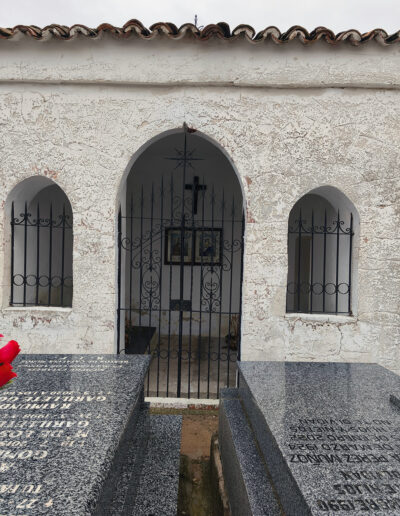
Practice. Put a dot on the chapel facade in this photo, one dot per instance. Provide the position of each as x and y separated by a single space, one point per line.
205 196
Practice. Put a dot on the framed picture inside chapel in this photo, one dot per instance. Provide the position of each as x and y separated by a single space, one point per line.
208 246
173 246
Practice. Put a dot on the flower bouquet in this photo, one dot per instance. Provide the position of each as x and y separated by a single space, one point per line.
7 355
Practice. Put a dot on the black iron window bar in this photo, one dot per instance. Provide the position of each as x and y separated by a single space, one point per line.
309 287
38 288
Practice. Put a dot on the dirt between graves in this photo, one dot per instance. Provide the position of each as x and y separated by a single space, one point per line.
198 490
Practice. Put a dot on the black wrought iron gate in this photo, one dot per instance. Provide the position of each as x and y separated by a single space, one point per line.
180 267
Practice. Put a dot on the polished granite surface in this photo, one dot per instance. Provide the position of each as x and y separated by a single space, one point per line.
328 431
60 425
245 477
159 481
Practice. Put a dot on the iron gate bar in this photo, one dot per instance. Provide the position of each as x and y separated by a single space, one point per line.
230 293
119 235
50 250
161 276
151 278
312 258
62 255
337 261
299 260
220 289
350 258
200 301
191 295
211 288
181 265
130 267
12 253
141 257
239 347
324 277
25 246
170 289
241 243
37 252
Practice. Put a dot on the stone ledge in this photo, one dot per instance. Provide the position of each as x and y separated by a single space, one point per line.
329 318
37 309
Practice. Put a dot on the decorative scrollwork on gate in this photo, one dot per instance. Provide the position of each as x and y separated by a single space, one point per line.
211 288
211 277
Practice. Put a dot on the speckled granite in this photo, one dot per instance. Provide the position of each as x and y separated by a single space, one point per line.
61 424
246 479
121 485
329 434
395 400
228 394
158 489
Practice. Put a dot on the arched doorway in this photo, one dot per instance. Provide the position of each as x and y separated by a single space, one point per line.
180 242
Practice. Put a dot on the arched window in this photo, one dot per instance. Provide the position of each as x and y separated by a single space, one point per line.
40 242
322 226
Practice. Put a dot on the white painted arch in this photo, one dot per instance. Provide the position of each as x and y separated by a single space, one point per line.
164 134
130 169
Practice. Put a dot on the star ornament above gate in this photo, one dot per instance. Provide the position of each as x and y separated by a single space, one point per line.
184 158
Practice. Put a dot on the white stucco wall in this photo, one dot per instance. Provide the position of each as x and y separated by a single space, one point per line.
291 118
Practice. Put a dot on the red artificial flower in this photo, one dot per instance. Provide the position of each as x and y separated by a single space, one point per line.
7 355
9 352
6 374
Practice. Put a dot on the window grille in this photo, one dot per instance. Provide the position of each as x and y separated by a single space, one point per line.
41 256
320 265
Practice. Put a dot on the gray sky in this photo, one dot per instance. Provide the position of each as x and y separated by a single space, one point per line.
337 15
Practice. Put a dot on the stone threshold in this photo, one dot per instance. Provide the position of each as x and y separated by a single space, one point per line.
182 403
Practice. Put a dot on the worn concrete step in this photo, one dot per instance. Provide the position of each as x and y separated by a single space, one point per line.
245 473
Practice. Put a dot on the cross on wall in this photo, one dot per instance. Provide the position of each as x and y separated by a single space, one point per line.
195 187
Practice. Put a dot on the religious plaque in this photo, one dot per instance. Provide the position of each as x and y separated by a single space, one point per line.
208 246
174 254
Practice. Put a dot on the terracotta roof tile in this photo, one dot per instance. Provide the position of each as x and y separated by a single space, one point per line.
219 30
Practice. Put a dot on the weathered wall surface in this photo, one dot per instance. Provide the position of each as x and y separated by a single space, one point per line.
283 142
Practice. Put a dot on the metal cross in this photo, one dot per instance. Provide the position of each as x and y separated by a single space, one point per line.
195 187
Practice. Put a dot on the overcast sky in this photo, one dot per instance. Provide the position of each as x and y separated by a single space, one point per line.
337 15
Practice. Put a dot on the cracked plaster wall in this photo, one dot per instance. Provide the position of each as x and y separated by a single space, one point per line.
283 142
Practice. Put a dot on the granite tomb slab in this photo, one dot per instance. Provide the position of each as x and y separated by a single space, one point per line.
327 434
62 422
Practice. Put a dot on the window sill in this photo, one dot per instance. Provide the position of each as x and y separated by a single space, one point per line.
329 318
38 309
